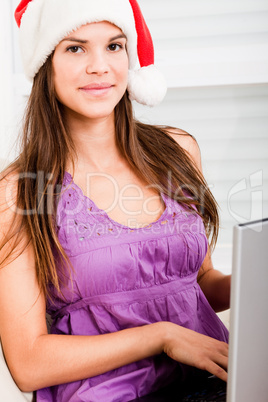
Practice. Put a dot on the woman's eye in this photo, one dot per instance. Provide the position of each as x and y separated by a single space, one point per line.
115 47
74 49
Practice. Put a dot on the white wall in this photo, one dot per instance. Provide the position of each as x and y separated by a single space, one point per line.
214 55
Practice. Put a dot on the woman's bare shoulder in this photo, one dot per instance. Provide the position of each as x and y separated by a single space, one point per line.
187 142
8 194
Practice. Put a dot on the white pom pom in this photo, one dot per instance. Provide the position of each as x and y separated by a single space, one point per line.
147 85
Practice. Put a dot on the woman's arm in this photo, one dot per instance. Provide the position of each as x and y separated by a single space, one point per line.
215 285
37 359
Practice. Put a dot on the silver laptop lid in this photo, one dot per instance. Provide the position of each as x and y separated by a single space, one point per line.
248 350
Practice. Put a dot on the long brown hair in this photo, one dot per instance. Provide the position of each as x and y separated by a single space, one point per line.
45 146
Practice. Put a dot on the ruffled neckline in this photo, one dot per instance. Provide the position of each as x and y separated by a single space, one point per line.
68 180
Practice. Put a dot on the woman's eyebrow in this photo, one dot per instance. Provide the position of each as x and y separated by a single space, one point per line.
72 39
122 35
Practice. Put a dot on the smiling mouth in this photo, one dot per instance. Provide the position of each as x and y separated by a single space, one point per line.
97 90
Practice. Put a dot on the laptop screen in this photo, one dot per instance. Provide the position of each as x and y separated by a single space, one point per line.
248 351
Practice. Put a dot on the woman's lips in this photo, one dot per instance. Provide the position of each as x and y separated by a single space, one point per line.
97 89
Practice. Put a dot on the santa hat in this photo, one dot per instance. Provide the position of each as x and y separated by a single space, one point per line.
44 23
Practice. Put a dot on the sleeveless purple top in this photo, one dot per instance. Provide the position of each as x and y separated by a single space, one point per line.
126 278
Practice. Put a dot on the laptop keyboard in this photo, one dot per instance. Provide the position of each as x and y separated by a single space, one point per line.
199 388
212 389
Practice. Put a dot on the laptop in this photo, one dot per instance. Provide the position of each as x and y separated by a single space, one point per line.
248 343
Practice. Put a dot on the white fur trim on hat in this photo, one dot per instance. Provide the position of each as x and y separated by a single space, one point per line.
46 22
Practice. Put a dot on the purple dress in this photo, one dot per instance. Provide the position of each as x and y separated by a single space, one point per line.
126 278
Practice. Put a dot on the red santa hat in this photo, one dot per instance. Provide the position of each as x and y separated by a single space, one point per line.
44 23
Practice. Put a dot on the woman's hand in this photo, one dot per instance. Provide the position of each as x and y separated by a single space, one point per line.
197 350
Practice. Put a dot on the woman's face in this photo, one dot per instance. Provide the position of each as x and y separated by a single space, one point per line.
90 70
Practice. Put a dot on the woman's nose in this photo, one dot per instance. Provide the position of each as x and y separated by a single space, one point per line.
97 63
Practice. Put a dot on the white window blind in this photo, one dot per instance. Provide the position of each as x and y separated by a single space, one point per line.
208 42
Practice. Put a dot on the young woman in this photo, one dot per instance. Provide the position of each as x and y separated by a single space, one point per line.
104 220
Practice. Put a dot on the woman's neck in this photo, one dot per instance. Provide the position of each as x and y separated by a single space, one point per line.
95 144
